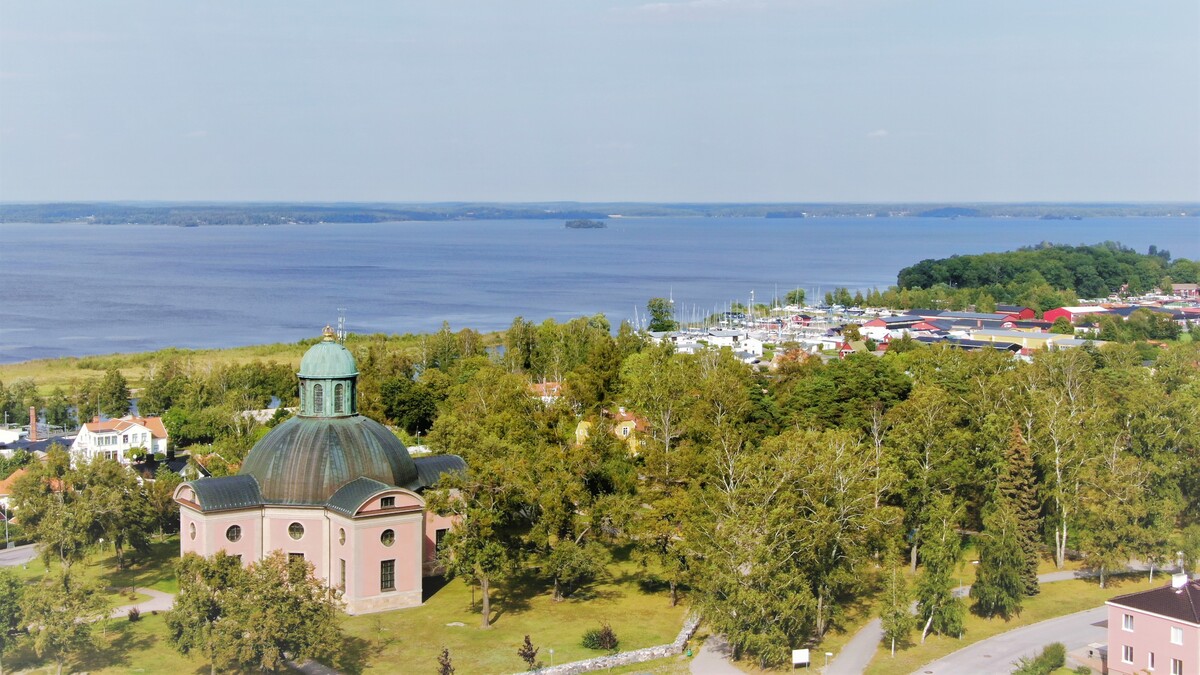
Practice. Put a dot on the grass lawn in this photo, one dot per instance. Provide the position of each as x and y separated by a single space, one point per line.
121 646
156 572
410 640
1056 599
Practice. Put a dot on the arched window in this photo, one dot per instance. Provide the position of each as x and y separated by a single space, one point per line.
339 397
318 399
302 397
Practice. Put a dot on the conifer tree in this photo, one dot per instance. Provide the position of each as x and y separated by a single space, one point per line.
999 585
1018 487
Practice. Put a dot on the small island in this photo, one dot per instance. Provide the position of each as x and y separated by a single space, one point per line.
585 224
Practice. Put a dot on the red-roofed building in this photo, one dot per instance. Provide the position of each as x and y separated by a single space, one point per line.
1073 314
113 439
1156 630
548 392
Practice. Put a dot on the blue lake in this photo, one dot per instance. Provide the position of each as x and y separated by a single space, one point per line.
77 289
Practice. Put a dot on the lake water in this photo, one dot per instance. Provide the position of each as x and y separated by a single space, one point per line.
76 289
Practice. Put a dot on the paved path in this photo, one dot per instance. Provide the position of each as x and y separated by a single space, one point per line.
158 602
713 658
997 654
17 555
859 651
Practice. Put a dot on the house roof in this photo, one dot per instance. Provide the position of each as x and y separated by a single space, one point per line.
153 424
546 388
1083 310
7 484
1181 603
328 359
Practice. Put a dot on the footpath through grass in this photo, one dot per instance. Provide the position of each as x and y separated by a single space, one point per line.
1056 599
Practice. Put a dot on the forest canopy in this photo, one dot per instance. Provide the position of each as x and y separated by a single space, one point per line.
1090 271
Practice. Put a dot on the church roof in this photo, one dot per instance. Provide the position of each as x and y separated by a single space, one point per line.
227 492
433 467
328 359
354 494
305 460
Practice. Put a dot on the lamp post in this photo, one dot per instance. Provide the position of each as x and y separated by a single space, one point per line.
551 657
827 655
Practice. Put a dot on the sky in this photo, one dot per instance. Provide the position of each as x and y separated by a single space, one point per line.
579 100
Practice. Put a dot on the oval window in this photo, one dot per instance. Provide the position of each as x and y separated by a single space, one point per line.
295 530
342 535
192 530
234 533
388 537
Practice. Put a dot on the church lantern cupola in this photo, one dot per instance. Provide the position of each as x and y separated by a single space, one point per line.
328 379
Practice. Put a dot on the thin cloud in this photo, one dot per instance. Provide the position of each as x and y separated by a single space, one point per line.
199 133
878 133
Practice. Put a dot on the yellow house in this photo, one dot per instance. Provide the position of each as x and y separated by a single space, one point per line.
626 426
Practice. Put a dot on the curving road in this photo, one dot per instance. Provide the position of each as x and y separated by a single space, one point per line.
997 654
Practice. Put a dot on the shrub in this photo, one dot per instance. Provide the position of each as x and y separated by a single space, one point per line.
135 614
1053 657
601 638
1083 670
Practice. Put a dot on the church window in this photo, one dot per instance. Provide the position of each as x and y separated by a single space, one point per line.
302 397
438 537
342 565
295 530
318 399
339 398
387 575
341 535
234 533
387 503
388 537
192 530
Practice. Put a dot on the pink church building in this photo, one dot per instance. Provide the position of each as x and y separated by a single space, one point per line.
332 487
1156 631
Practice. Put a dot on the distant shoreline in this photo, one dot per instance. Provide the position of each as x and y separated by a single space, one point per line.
193 215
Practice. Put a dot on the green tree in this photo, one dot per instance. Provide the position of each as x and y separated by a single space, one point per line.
12 589
794 297
113 394
160 497
1063 326
51 511
58 408
59 611
113 497
1018 487
662 315
202 600
894 614
999 587
283 612
938 608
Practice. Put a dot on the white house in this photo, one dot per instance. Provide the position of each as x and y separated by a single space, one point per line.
113 438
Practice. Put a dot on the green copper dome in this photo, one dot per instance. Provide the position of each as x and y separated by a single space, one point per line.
328 360
305 460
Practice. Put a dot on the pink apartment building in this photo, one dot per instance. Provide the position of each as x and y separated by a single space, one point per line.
331 486
1156 631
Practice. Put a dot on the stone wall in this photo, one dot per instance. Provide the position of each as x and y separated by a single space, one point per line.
627 658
